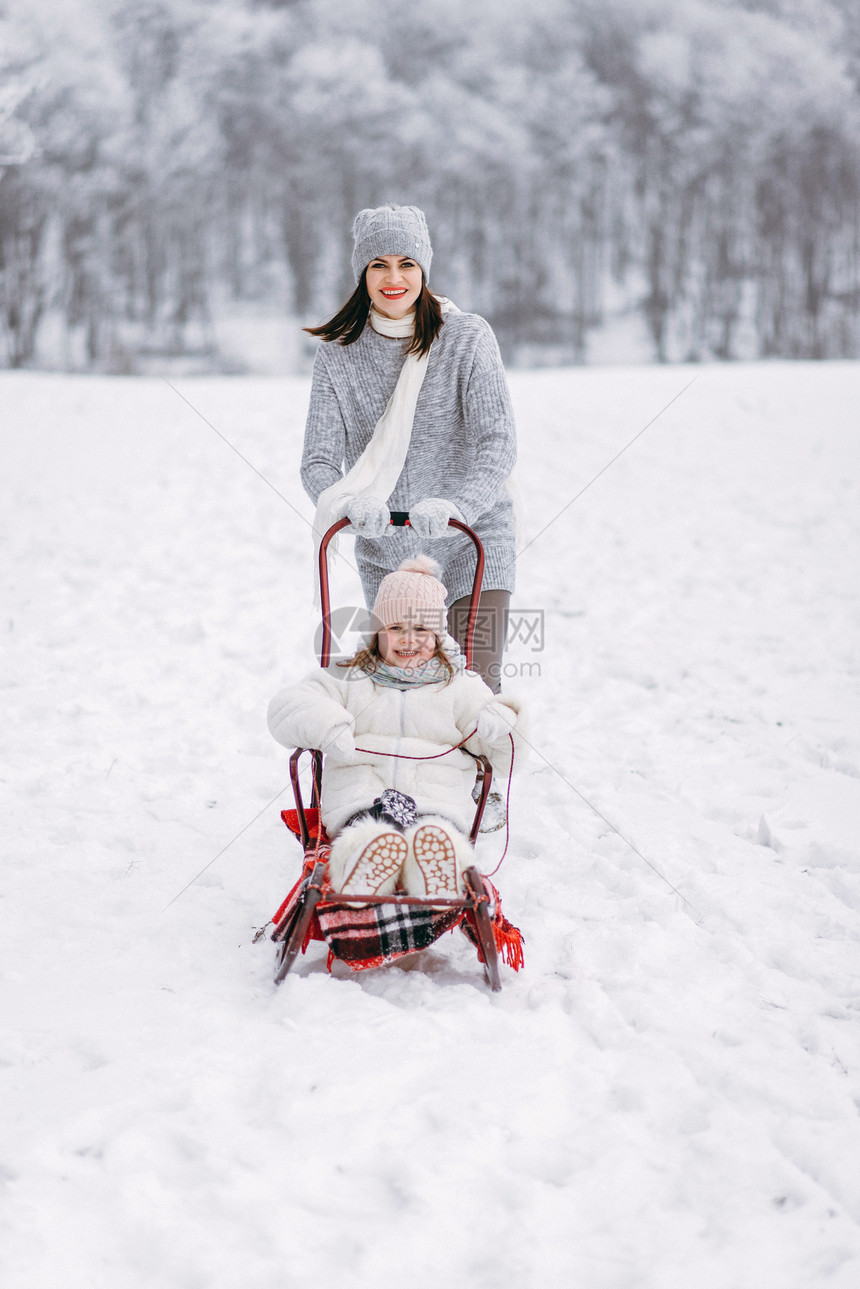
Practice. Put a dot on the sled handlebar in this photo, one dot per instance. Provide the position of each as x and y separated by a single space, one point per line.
399 519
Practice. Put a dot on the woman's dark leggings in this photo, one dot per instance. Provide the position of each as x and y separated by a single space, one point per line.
491 631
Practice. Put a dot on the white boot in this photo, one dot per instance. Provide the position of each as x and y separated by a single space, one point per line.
366 859
438 853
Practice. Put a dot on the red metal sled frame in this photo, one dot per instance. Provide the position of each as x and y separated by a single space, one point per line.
474 904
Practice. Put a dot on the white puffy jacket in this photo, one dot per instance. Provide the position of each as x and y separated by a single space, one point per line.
338 713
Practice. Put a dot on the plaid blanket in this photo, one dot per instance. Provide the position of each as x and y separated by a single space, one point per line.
379 933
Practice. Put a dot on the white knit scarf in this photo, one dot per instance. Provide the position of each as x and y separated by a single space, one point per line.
379 467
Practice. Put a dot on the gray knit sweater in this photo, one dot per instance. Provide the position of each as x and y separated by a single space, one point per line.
463 445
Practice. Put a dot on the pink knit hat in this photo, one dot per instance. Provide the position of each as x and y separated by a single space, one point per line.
414 595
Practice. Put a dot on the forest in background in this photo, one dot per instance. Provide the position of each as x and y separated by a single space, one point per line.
692 164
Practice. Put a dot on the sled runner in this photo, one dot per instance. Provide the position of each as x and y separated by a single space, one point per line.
364 930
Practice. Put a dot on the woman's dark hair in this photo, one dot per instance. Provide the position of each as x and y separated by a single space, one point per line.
369 657
349 322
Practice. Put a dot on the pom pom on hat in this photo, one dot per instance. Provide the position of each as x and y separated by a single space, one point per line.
391 230
413 595
421 564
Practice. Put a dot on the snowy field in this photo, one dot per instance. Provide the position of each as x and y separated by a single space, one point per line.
668 1095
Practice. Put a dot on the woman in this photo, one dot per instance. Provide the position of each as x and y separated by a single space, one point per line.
410 410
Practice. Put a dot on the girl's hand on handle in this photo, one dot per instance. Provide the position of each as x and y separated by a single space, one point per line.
369 516
429 518
495 722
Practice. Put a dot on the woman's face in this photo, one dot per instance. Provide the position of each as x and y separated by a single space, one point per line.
402 645
393 284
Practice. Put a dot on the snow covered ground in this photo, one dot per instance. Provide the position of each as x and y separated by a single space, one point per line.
668 1095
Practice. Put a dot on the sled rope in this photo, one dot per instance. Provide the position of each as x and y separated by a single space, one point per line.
402 756
241 831
698 918
507 818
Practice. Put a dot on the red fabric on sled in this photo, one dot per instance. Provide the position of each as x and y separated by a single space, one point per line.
508 938
379 933
316 830
288 907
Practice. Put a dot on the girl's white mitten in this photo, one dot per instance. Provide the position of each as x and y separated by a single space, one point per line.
340 745
429 518
369 516
495 722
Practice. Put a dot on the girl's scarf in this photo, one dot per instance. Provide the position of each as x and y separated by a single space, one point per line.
428 673
379 467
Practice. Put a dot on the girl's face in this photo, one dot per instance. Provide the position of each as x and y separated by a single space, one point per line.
394 284
402 645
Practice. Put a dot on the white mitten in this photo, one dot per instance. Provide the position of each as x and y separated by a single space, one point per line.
495 722
340 744
369 516
429 518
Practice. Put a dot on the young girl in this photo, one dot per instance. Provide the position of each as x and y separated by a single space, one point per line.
410 410
394 726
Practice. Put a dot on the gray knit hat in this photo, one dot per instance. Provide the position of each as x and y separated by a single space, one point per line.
391 230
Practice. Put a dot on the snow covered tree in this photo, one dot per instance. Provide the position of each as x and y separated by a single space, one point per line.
692 162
